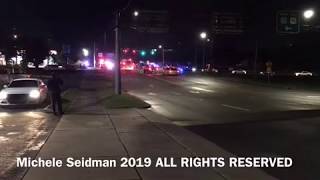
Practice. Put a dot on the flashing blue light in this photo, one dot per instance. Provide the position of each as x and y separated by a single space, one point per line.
180 70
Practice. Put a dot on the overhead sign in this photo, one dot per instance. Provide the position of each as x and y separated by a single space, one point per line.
288 22
227 23
152 21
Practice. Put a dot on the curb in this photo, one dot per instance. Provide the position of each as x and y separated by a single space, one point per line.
201 147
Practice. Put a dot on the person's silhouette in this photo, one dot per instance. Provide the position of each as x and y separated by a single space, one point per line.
54 87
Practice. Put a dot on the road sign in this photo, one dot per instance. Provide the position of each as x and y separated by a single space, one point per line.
288 22
152 21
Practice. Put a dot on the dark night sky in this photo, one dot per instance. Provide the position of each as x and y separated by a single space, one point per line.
81 21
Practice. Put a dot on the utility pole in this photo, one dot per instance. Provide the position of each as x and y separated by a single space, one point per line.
94 54
255 58
104 41
117 72
162 56
196 56
204 55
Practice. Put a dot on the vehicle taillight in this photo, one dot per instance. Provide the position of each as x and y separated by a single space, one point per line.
42 87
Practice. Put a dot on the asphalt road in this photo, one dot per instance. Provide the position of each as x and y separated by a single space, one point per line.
247 120
22 133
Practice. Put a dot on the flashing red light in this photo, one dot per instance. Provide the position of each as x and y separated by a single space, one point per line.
134 51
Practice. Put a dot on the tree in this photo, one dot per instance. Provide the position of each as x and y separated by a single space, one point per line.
10 52
36 51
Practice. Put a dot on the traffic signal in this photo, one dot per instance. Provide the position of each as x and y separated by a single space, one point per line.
143 53
153 51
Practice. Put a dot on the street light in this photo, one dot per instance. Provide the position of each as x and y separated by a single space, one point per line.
160 46
308 14
136 13
203 35
85 52
15 36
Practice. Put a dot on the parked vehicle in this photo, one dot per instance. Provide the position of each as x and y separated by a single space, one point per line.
25 91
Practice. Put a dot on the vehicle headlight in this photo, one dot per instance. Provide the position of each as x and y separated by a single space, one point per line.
34 94
3 95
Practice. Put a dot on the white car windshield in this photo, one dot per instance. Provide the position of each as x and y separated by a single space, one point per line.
23 83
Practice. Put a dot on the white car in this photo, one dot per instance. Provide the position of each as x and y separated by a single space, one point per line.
239 71
303 73
26 91
215 70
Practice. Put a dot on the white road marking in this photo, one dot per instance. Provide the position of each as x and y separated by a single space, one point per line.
313 96
236 107
152 94
201 89
194 92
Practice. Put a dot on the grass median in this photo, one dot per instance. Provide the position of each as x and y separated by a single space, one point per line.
67 98
124 101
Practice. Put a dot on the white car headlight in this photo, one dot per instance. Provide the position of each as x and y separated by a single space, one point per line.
3 95
34 94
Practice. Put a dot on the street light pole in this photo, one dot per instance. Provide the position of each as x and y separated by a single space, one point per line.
117 72
162 56
162 48
255 58
204 55
203 36
94 54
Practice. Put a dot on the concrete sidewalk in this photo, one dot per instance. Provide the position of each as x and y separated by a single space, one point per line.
90 131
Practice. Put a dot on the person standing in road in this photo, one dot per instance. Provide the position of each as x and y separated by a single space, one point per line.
54 87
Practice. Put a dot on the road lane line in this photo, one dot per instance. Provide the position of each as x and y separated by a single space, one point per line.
313 96
201 89
152 94
236 107
194 92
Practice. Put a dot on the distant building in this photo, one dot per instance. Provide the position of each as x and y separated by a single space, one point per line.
227 23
